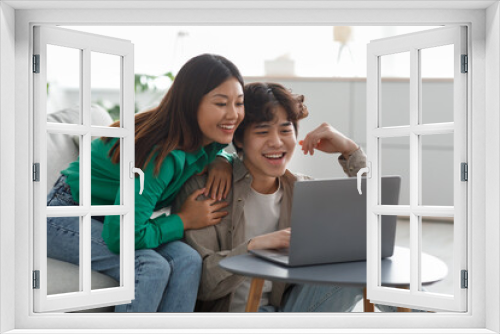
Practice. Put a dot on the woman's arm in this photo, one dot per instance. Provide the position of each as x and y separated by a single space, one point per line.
152 232
149 232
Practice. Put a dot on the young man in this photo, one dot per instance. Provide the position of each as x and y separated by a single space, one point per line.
260 205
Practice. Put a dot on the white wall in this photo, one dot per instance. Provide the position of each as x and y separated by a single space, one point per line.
492 162
7 159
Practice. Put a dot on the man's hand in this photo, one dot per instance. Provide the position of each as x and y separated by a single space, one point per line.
327 139
275 240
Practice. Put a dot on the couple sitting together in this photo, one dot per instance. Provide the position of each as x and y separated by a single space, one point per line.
242 202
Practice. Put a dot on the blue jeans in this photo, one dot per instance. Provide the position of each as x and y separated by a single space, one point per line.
166 278
317 298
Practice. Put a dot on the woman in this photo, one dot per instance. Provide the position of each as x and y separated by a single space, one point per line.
179 138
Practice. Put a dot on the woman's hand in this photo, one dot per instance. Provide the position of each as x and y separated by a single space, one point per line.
327 139
275 240
220 176
199 214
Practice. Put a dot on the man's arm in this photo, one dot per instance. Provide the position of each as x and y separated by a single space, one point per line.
215 281
327 139
353 162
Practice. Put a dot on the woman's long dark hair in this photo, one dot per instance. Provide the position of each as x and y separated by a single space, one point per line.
173 124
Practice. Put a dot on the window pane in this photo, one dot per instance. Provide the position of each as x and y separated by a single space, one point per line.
108 262
395 269
106 176
62 150
437 169
395 156
437 240
395 89
437 73
106 83
63 249
63 83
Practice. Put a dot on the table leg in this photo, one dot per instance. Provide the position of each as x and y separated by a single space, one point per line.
367 306
404 309
254 295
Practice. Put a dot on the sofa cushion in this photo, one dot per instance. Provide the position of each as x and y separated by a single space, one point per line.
62 277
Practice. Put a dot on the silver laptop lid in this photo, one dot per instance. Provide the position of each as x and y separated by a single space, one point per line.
329 220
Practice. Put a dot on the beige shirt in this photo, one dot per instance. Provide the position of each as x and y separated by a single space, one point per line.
227 238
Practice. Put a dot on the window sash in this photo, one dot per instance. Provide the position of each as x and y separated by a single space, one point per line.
414 298
86 298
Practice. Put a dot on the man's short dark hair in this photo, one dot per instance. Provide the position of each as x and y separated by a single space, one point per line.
262 100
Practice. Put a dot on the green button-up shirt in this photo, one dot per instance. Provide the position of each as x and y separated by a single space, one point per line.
159 191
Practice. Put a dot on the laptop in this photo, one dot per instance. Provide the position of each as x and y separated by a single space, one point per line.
328 223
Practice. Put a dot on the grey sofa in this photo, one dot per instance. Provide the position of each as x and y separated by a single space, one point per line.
61 150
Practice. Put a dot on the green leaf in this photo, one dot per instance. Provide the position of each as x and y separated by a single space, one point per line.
169 75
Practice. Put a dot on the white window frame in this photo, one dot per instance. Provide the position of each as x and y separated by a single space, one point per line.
412 44
85 43
484 104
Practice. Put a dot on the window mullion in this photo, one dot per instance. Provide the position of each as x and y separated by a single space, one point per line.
372 189
80 130
85 165
415 171
433 129
127 102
